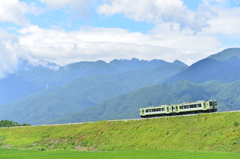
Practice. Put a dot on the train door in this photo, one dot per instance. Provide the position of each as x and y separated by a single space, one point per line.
215 105
174 109
168 109
177 109
204 106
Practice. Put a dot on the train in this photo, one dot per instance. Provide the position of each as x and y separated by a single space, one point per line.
179 109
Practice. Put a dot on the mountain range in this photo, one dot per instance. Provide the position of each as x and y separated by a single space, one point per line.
93 91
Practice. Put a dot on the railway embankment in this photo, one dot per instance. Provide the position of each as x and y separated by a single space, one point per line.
203 132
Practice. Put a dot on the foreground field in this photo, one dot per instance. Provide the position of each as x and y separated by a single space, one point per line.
135 154
199 133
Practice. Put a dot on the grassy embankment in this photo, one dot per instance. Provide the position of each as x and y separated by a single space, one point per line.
133 154
205 132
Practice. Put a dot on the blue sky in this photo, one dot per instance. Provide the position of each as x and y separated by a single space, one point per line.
67 31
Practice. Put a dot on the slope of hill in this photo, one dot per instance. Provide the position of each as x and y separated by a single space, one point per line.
204 132
13 87
210 70
226 54
81 93
126 106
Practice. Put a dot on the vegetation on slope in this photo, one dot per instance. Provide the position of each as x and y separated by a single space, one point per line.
210 70
126 106
8 123
204 132
226 54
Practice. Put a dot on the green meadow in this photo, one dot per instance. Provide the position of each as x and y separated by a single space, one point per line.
134 154
216 134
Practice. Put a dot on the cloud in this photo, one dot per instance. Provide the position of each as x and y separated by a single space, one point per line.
8 59
78 8
12 53
227 22
160 11
14 11
92 43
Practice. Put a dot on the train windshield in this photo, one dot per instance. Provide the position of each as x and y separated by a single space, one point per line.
212 103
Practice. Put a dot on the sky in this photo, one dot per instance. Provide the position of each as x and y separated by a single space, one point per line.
68 31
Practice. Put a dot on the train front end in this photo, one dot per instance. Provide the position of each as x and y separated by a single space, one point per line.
213 105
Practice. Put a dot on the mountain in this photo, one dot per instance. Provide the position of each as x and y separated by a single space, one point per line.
223 67
226 54
14 86
83 92
65 74
126 106
30 78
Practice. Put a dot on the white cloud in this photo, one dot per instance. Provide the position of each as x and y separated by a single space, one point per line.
160 11
14 11
227 22
90 44
8 59
78 8
58 4
12 52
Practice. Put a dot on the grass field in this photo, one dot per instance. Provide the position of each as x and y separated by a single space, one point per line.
134 154
199 133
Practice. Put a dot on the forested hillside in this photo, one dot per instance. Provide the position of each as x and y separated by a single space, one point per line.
126 106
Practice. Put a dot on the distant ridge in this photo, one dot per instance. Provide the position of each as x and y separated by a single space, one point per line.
223 67
226 54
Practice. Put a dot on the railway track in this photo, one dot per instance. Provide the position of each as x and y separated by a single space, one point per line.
142 118
127 119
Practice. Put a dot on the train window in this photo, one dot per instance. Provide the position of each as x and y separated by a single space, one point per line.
199 105
181 107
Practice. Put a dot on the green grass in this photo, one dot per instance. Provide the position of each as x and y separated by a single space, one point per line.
134 154
199 133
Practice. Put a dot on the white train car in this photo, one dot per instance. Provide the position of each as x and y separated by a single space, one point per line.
178 109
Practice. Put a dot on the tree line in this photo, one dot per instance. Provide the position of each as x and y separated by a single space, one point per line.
8 123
